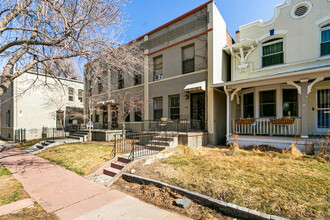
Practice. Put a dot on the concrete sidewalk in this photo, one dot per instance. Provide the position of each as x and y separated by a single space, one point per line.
71 196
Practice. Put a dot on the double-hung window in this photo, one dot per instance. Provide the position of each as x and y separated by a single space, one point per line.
80 95
174 107
248 105
272 52
158 68
71 94
267 103
158 108
188 59
121 81
325 40
290 103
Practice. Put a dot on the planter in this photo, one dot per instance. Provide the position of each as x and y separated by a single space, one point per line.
282 121
244 121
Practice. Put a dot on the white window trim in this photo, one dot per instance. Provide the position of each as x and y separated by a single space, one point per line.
270 43
304 3
320 38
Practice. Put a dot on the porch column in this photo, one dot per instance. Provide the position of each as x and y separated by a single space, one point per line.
229 114
304 109
109 117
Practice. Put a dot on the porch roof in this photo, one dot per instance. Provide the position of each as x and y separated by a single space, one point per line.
278 78
200 86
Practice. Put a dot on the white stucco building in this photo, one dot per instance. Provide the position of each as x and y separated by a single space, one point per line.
35 102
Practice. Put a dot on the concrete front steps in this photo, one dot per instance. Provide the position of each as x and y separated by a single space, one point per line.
116 166
82 136
163 141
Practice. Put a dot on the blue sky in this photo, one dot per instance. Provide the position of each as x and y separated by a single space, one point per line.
146 15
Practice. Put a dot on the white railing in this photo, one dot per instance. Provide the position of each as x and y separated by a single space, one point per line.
268 126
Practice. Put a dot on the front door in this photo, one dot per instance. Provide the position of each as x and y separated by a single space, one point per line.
323 110
197 113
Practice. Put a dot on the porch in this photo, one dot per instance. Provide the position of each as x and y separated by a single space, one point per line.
279 110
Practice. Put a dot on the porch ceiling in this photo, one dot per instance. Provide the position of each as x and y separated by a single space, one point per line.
277 79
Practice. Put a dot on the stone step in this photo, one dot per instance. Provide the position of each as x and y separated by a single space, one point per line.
124 160
118 165
110 171
155 147
160 138
159 142
74 137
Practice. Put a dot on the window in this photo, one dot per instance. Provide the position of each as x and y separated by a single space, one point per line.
99 86
267 103
138 114
59 120
158 68
248 105
188 59
325 40
97 117
137 79
80 95
120 80
90 87
290 102
174 107
127 115
300 11
158 108
8 118
71 94
272 52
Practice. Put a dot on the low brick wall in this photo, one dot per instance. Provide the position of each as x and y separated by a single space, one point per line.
224 207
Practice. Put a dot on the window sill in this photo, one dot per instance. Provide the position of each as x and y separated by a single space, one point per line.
273 67
324 57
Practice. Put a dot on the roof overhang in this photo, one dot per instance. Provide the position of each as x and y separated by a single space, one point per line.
200 86
105 102
312 73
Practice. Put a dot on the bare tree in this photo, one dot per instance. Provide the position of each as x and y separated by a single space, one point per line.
33 32
112 82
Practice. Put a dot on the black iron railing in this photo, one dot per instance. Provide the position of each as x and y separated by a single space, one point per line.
136 145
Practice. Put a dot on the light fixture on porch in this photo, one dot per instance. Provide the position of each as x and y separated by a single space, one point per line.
187 96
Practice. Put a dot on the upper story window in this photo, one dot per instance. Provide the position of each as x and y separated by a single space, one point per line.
99 87
158 68
120 80
137 79
71 94
272 52
80 95
188 59
325 40
90 87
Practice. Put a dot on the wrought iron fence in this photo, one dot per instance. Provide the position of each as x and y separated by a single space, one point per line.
136 145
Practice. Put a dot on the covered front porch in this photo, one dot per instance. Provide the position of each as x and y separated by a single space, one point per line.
279 110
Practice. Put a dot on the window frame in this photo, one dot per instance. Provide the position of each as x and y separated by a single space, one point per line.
297 102
71 96
175 107
268 103
137 79
253 103
324 27
155 68
183 60
80 95
162 108
121 80
268 42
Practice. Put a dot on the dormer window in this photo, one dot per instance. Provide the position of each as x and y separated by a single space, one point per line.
325 40
272 52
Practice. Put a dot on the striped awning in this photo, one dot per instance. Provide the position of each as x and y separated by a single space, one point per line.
200 86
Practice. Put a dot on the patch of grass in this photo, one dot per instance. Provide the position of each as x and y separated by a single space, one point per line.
4 171
10 189
34 213
81 158
29 144
273 183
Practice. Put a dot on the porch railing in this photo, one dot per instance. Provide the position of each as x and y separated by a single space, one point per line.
135 145
268 126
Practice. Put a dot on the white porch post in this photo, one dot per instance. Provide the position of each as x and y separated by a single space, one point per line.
109 117
304 109
229 113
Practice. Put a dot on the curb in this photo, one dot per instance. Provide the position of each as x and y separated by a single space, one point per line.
224 207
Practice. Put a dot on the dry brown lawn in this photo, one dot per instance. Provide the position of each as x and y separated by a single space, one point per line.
283 184
10 189
34 213
81 158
